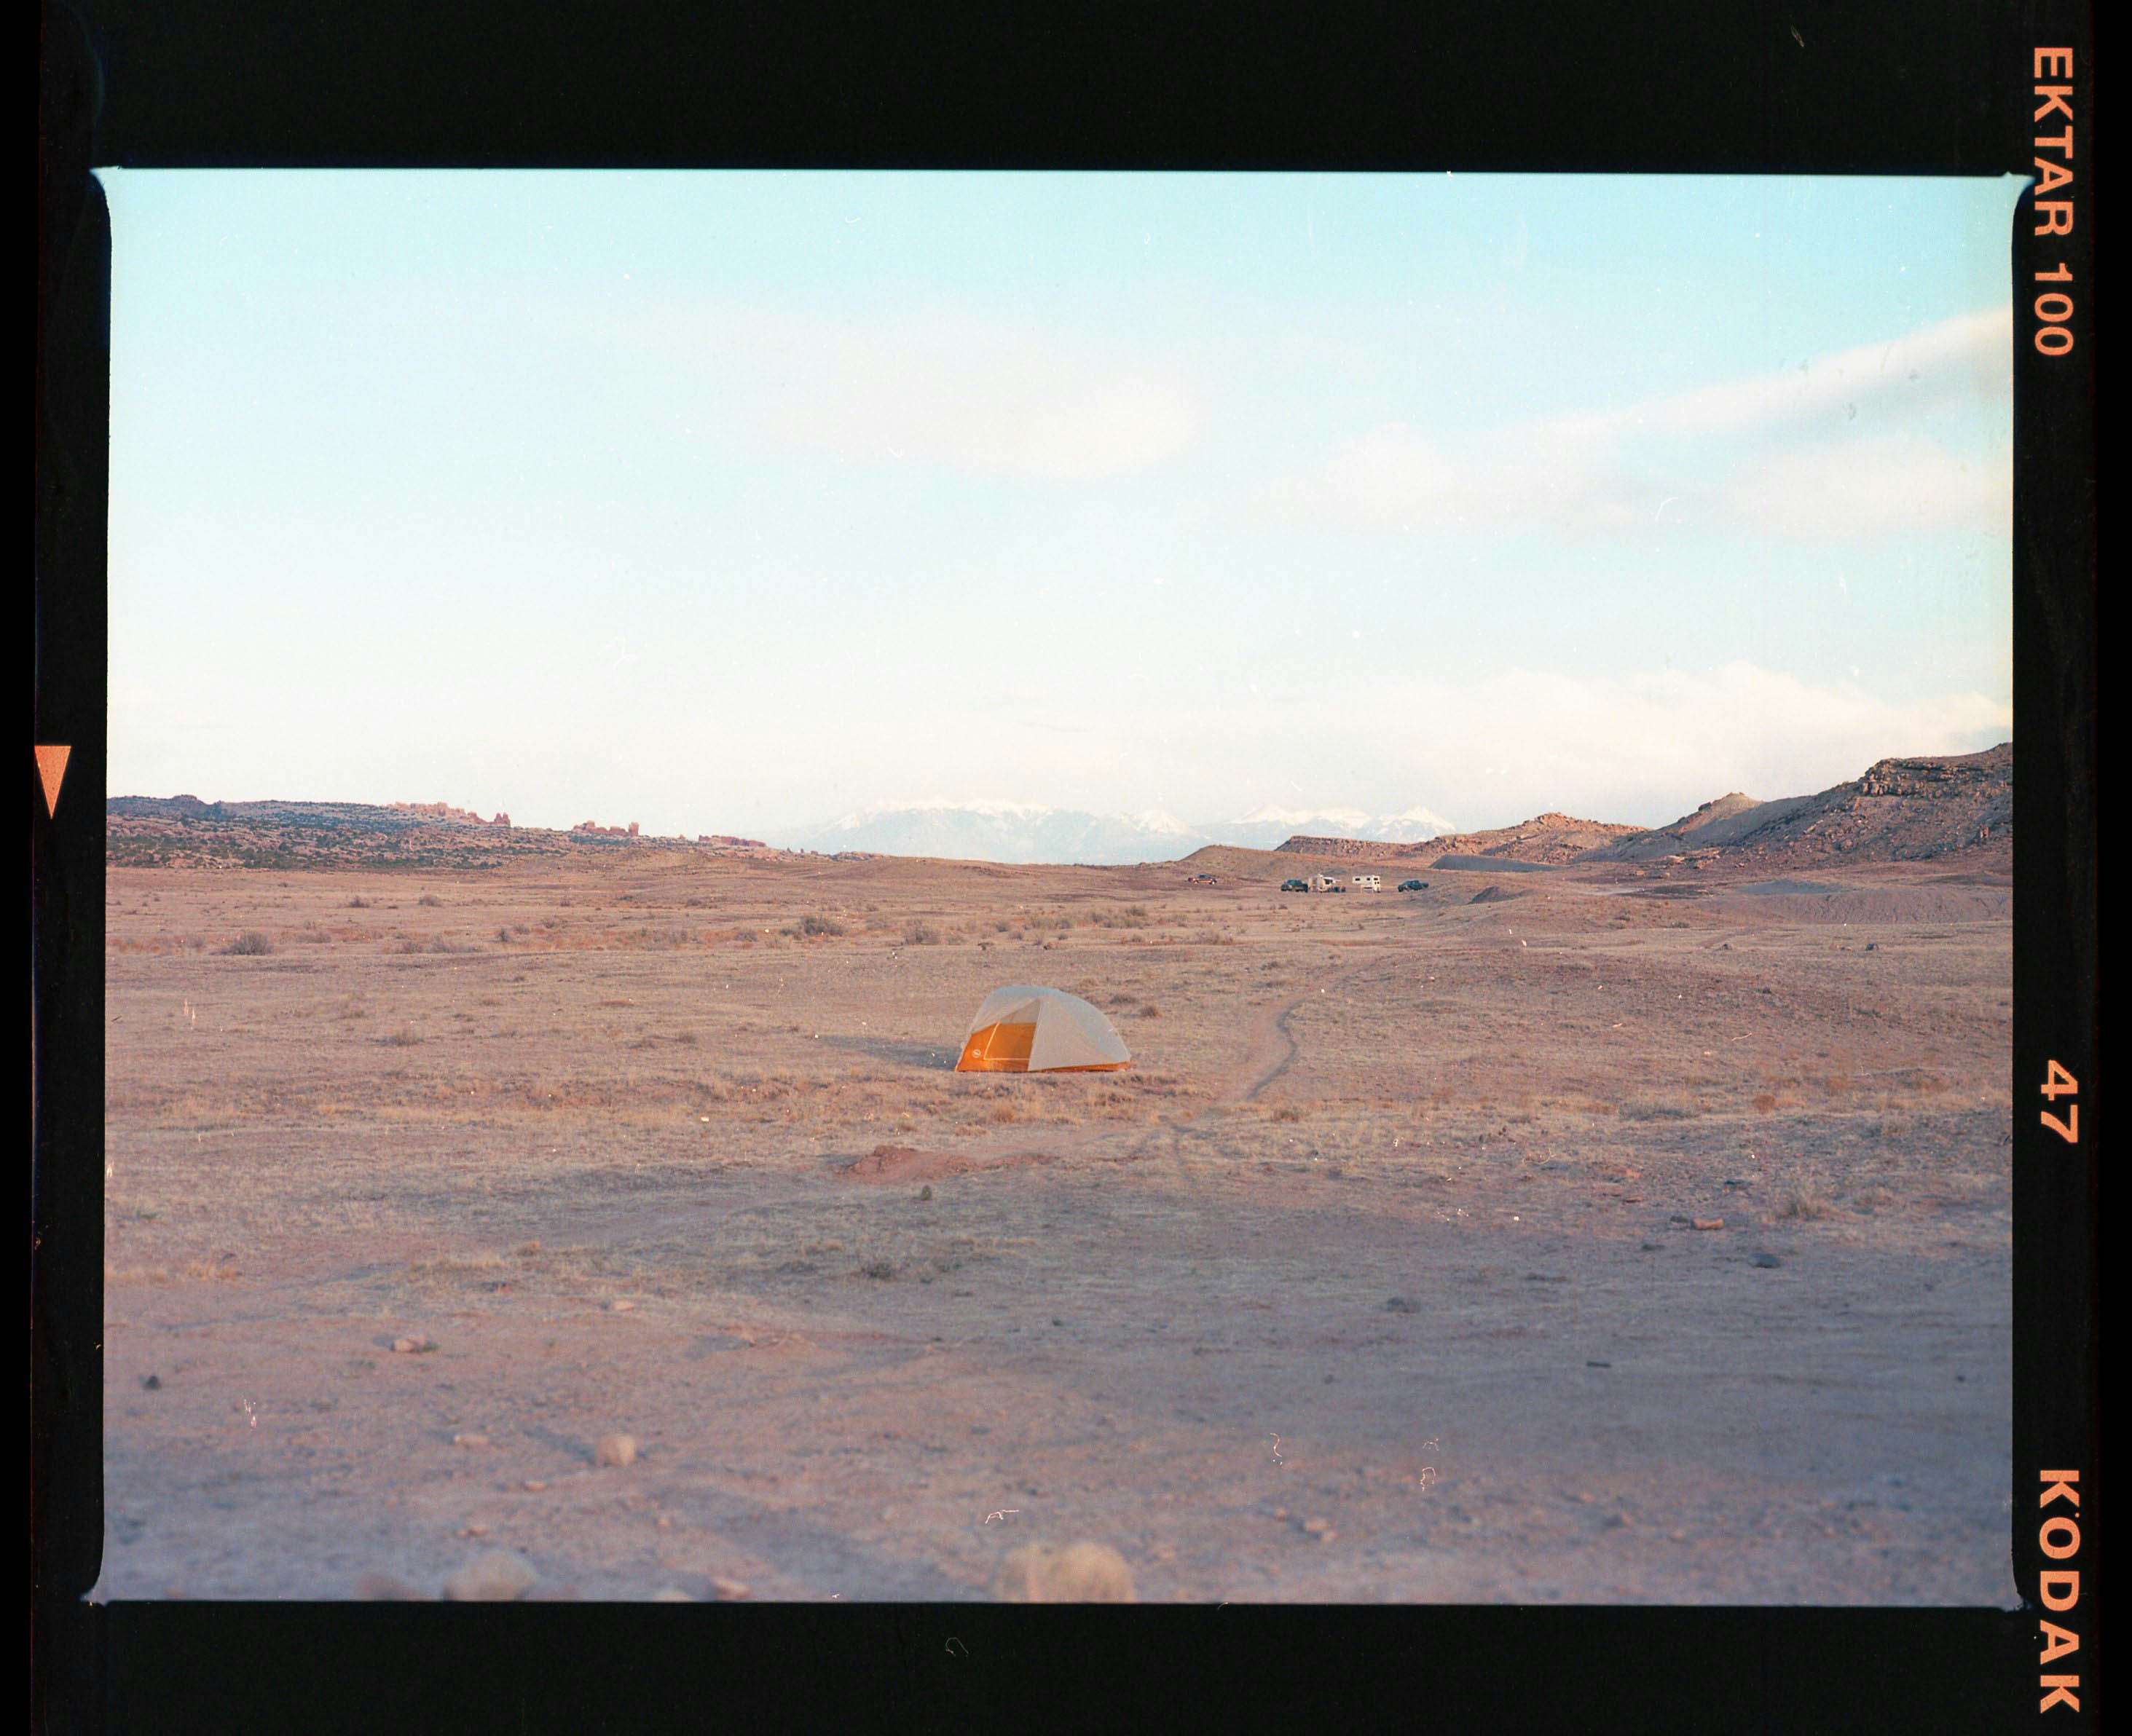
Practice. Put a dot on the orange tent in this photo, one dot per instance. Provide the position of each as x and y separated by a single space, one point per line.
1025 1029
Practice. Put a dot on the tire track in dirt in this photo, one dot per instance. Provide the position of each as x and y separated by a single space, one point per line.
1271 1049
1273 1046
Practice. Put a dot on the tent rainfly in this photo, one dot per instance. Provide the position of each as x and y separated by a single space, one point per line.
1025 1029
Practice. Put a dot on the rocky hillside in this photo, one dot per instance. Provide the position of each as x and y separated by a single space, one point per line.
1900 811
1907 810
185 831
1547 840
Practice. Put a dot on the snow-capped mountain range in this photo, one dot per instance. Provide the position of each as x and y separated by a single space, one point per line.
1016 831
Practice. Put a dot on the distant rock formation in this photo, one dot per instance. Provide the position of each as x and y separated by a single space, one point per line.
441 811
1914 809
183 830
1548 839
1904 810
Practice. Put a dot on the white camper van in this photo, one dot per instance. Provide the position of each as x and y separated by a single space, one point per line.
1325 883
1370 882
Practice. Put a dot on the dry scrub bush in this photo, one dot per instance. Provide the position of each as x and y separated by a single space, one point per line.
811 925
250 944
1805 1203
1652 1109
1764 1102
431 901
382 1587
920 934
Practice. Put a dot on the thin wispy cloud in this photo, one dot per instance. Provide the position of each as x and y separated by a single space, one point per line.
1842 446
1645 746
950 389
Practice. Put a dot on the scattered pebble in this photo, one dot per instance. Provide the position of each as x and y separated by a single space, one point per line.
499 1577
414 1346
1767 1260
731 1591
1402 1305
622 1305
1321 1529
926 1191
615 1450
473 1531
535 1484
1598 1364
469 1440
671 1594
152 1384
1710 1223
1080 1573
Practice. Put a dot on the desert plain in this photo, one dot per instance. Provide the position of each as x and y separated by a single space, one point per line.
1540 1236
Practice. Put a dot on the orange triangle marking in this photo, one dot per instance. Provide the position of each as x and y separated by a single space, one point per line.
51 767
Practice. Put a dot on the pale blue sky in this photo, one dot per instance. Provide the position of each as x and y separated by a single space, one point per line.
730 502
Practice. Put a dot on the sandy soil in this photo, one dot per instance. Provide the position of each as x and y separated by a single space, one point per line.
1378 1277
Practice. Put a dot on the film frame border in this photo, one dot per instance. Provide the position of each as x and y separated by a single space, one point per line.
1676 89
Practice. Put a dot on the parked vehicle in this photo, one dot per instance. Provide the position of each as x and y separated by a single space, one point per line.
1295 885
1369 883
1413 885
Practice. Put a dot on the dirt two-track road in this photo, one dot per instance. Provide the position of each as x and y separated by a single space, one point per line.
1576 1244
